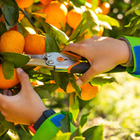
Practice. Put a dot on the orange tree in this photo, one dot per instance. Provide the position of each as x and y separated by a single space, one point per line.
50 85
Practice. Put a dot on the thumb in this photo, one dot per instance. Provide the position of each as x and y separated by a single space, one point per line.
23 78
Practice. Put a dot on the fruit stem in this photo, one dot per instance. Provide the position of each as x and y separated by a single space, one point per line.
27 16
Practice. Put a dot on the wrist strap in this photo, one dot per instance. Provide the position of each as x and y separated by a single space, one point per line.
46 114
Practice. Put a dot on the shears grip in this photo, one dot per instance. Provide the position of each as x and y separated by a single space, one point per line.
82 67
79 67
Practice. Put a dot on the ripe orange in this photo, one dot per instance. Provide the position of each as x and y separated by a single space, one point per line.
34 44
12 41
45 2
73 18
105 7
56 14
88 92
4 83
24 3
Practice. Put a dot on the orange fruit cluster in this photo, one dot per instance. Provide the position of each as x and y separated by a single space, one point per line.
14 41
58 14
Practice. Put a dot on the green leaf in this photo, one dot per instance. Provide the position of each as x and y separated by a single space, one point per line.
10 12
135 9
5 123
134 28
83 119
51 45
78 3
135 2
85 26
61 79
77 132
36 7
78 138
108 19
22 29
3 129
57 34
80 38
102 80
94 4
74 105
8 69
25 128
44 91
17 59
133 21
2 28
38 76
94 133
62 136
76 32
74 85
65 123
89 16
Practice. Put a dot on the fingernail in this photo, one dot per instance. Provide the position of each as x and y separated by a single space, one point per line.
79 82
19 69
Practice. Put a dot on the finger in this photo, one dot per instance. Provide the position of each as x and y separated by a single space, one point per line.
23 78
9 93
86 77
5 92
1 98
76 48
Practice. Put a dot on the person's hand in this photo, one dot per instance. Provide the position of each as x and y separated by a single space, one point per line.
103 54
24 108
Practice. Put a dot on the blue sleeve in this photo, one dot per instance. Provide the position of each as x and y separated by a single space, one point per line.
134 43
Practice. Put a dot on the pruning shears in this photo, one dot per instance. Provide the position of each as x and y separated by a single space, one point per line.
60 62
64 62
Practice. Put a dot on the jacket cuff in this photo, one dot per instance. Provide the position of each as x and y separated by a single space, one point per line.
130 62
50 127
134 43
